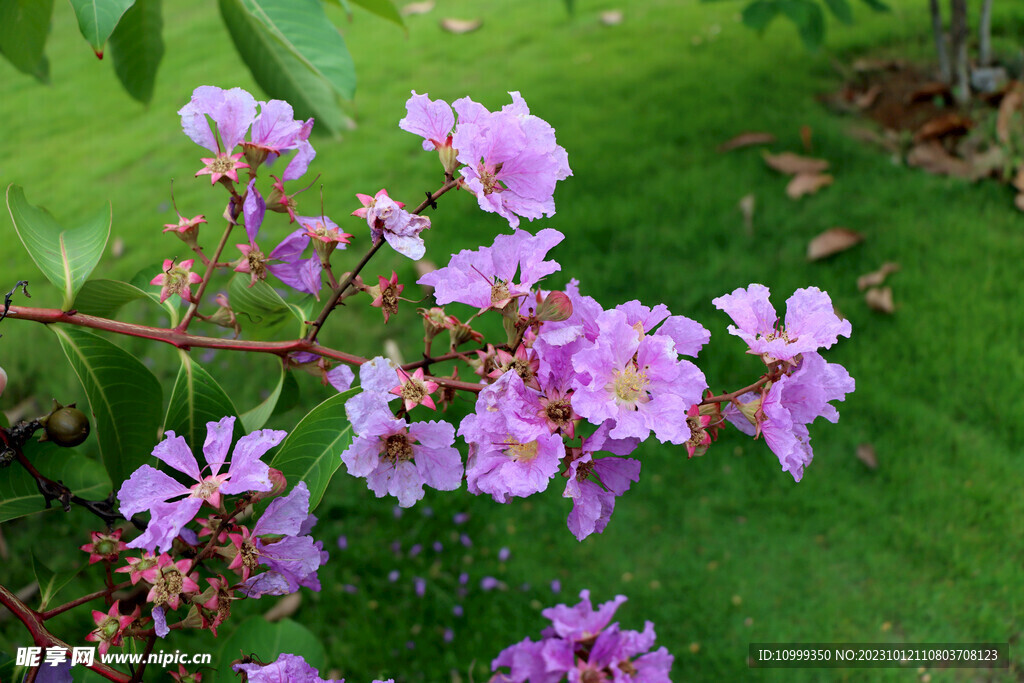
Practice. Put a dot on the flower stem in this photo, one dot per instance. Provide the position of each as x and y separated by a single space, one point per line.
60 609
211 266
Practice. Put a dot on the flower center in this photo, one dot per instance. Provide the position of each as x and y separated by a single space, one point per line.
489 179
521 452
257 263
413 391
222 164
205 489
583 470
397 448
250 556
630 385
499 292
559 411
108 628
167 586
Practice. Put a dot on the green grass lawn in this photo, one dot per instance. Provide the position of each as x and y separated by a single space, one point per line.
718 551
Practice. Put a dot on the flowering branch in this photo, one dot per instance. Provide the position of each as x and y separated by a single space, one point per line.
33 621
339 291
60 609
211 267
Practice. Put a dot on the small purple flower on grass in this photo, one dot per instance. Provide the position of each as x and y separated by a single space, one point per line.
287 667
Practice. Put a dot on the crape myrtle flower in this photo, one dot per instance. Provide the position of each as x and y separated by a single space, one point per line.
811 322
594 484
177 279
285 262
233 112
414 390
398 458
325 235
782 413
186 229
484 278
390 221
170 580
287 667
512 453
104 546
110 626
172 504
292 560
433 120
636 380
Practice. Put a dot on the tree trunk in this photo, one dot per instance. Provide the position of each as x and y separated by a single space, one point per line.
958 43
940 42
985 34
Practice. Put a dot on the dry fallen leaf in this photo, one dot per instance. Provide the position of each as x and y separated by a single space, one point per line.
461 25
1012 102
1018 180
867 98
790 163
805 137
746 140
418 8
877 277
832 241
1019 201
941 126
612 17
880 299
807 183
117 248
864 65
866 454
933 158
930 91
285 607
747 204
888 139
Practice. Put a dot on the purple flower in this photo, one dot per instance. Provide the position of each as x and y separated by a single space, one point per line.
343 542
394 575
433 120
511 450
485 278
460 518
421 586
488 583
293 560
556 586
503 554
287 667
150 489
398 458
377 377
689 335
285 262
581 621
811 322
636 380
389 220
781 416
593 501
512 159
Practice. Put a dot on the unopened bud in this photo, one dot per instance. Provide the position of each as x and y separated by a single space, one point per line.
462 333
448 156
255 155
278 484
750 410
434 321
556 307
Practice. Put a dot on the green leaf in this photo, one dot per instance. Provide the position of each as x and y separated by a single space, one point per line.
877 5
104 298
19 495
757 15
125 399
304 29
50 582
137 46
382 8
66 257
280 72
261 311
809 20
97 19
267 641
257 417
841 10
312 451
24 26
195 400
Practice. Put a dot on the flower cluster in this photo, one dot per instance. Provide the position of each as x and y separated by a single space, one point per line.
287 667
510 159
582 645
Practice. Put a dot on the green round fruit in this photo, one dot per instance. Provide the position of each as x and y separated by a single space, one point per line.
67 426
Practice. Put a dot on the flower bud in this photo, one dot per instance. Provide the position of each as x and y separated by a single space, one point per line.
750 410
555 308
278 482
255 155
448 156
462 333
434 321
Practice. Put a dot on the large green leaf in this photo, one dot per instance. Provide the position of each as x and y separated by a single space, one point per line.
195 400
312 451
97 19
137 46
66 256
19 495
261 311
841 10
757 15
267 641
282 397
304 29
104 298
279 71
809 20
51 582
383 8
24 26
125 399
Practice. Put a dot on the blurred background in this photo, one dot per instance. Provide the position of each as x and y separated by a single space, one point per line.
918 539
